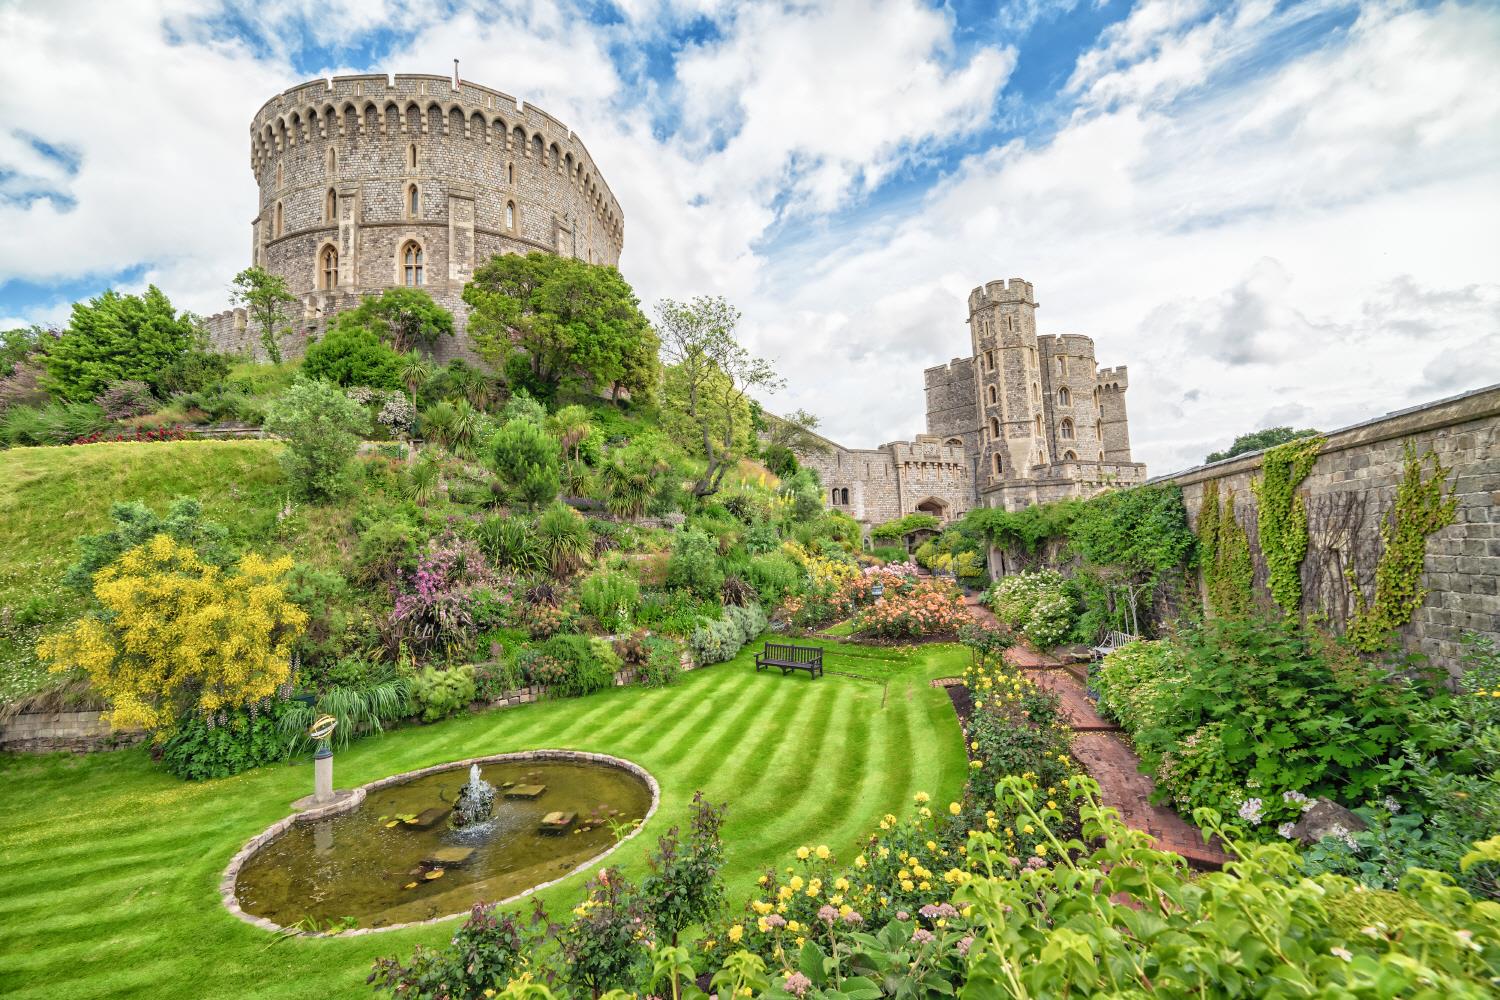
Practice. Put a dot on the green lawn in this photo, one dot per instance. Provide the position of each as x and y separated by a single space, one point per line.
109 868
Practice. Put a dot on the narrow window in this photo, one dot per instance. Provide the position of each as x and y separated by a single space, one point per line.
510 215
994 428
510 173
999 468
333 161
833 497
330 267
280 176
280 218
413 201
331 206
844 494
1036 392
989 360
1038 425
411 264
1064 397
1062 366
993 396
411 156
1067 428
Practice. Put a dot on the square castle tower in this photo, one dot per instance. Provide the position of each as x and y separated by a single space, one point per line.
1023 419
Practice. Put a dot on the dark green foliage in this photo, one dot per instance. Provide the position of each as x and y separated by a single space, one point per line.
683 887
694 564
1257 440
367 704
526 458
194 371
903 526
612 597
228 743
114 338
806 496
663 664
269 303
563 539
136 524
484 954
350 354
321 427
324 594
1133 545
780 459
400 318
509 542
387 548
19 344
579 666
550 321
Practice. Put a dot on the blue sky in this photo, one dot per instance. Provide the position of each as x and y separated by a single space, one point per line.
1272 212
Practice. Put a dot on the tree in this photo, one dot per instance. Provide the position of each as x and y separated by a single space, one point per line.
571 427
321 427
525 457
267 299
135 524
1259 441
403 318
181 635
351 354
797 431
709 380
549 322
415 373
19 344
114 338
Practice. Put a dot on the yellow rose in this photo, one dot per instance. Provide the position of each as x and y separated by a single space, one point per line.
802 853
955 808
735 933
822 852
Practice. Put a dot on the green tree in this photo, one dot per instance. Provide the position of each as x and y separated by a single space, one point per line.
550 321
136 524
114 338
571 426
403 318
796 432
267 299
321 427
709 380
351 354
19 344
525 457
1260 440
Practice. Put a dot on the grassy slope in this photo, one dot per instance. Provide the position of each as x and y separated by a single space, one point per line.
50 496
109 868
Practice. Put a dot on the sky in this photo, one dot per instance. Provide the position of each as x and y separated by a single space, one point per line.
1272 213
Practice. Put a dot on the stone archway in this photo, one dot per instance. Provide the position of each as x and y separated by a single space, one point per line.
936 507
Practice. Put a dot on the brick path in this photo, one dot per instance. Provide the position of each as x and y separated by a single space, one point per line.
1108 759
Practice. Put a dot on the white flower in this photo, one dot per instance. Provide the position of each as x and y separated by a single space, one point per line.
1285 830
1250 810
1343 953
1392 806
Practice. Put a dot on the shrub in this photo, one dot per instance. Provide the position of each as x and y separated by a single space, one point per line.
920 608
387 548
612 597
1136 683
434 612
321 427
509 542
526 458
126 399
192 371
135 524
226 742
1036 604
115 338
694 564
438 693
583 665
563 539
663 662
324 595
350 354
718 641
182 636
56 423
774 576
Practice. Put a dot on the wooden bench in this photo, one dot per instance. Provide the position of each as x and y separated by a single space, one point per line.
789 658
1112 641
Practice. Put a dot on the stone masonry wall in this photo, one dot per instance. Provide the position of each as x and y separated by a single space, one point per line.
363 167
1349 494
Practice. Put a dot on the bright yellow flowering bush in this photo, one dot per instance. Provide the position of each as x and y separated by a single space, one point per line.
181 635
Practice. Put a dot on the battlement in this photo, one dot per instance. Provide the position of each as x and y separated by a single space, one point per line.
424 105
1010 290
1114 379
940 375
1071 344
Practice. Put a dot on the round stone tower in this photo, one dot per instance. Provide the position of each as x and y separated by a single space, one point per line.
373 182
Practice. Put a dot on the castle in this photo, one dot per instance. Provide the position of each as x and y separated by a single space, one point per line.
373 182
1023 420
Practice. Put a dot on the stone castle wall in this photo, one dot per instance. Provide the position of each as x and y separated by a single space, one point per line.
355 171
1349 494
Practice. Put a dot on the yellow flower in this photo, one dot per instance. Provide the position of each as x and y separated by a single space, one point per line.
860 861
802 853
1051 804
1027 829
822 852
793 926
735 933
955 808
922 797
785 892
932 845
1041 850
907 885
761 924
841 884
796 883
762 907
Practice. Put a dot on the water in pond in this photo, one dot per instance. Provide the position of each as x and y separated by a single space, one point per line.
396 858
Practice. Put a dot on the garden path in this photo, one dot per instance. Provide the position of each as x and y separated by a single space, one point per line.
1106 756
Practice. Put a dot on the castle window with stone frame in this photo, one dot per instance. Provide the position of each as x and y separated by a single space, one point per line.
510 173
994 395
411 156
413 201
1070 456
994 428
1038 425
1064 397
328 266
280 174
999 465
989 361
411 264
1036 393
280 218
510 216
331 206
1062 366
1067 428
333 161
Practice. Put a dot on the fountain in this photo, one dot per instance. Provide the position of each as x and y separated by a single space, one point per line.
476 801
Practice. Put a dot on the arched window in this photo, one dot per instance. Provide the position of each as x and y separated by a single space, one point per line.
536 146
328 265
1036 392
955 442
333 161
999 466
989 360
331 206
1064 397
411 264
833 496
510 215
510 173
844 495
994 428
280 176
1070 456
413 201
280 219
993 396
1067 428
1062 366
1038 425
411 156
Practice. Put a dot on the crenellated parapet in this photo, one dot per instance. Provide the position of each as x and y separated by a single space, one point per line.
1114 379
1015 290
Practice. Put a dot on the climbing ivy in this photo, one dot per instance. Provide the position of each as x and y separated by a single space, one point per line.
1283 517
1224 555
1423 506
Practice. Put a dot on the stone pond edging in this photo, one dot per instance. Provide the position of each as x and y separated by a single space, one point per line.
357 797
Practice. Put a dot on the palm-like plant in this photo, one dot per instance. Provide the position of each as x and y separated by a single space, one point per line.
564 539
415 371
464 435
423 481
570 425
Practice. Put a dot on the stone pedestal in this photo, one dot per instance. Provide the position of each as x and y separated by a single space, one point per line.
323 776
